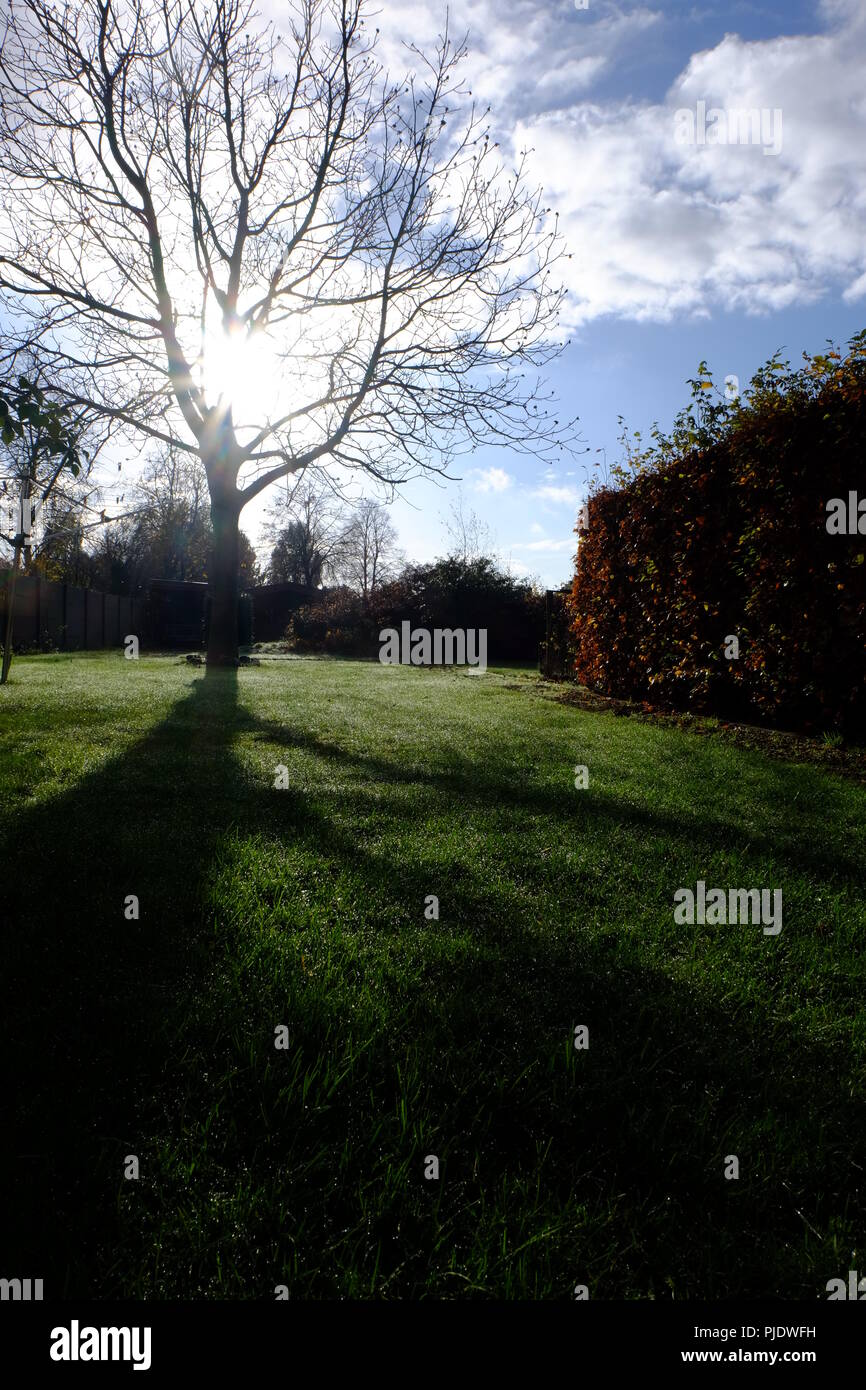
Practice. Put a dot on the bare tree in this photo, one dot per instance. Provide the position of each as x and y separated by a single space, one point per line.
264 252
167 534
370 553
65 530
172 481
308 535
469 537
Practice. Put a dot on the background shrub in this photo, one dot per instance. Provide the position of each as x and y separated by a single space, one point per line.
449 593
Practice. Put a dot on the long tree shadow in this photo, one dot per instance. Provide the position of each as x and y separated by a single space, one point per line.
478 786
112 1026
101 886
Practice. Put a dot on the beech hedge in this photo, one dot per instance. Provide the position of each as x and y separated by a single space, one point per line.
727 573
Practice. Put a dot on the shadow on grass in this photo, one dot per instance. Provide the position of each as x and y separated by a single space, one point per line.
89 991
477 787
603 1167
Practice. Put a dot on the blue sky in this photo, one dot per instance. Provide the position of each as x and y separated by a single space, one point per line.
680 253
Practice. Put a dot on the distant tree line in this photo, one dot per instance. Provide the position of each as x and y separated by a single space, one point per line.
318 537
468 588
163 531
344 552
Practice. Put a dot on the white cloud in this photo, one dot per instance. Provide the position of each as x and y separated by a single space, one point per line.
553 547
657 229
517 567
491 480
856 290
524 57
549 492
572 76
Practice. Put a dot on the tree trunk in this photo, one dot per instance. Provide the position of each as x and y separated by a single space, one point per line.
223 586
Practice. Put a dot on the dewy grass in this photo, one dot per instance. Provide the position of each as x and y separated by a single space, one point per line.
407 1036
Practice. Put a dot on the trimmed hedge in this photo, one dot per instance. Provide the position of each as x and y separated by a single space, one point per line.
730 539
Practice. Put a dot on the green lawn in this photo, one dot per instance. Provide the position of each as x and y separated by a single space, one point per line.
411 1037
